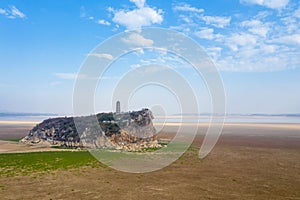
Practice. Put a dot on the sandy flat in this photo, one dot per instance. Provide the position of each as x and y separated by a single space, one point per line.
242 134
14 132
250 161
18 122
15 147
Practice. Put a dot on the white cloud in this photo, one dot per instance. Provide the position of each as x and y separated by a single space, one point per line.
137 18
102 55
186 19
290 25
216 21
251 23
274 4
138 3
206 33
256 27
262 31
3 12
103 22
182 28
138 51
288 39
187 8
262 14
12 13
214 52
268 48
268 41
161 50
251 59
240 39
16 13
136 39
84 14
134 66
110 9
250 53
297 13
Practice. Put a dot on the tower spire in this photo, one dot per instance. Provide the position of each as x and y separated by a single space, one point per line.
118 107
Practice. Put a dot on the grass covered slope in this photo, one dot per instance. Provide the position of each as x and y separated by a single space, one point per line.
15 164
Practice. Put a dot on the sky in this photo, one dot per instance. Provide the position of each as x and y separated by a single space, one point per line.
253 43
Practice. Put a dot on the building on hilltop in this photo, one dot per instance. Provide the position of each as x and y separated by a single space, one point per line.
118 107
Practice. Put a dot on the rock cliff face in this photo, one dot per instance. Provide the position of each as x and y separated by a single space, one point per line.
132 131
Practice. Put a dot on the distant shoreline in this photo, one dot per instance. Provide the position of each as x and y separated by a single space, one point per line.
230 124
257 124
186 119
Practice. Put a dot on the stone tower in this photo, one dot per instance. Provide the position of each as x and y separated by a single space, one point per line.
118 107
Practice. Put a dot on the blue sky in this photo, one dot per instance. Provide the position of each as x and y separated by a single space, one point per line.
254 43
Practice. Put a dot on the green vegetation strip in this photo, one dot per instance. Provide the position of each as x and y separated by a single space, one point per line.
27 163
13 139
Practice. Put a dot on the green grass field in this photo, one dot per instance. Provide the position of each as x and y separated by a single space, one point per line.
25 163
18 164
14 139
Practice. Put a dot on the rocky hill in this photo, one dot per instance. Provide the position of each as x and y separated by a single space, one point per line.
132 131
